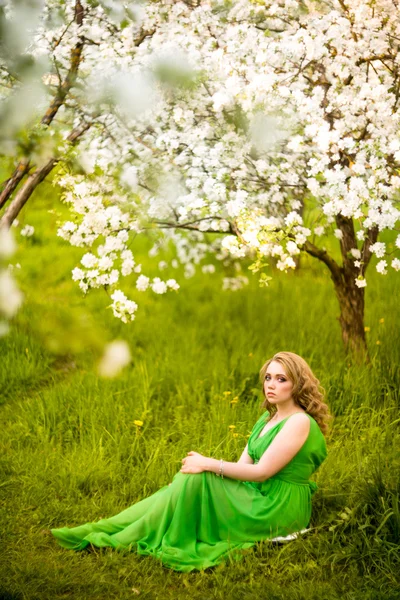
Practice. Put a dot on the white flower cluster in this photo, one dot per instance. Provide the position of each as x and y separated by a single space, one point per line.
158 286
123 308
27 231
113 258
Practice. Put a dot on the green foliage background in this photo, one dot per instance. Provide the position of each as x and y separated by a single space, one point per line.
71 453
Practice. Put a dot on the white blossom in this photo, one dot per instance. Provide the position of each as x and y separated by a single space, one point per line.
10 296
7 243
190 270
379 249
234 283
293 218
292 248
116 356
395 264
27 231
123 308
361 282
78 274
381 267
89 261
158 286
208 268
142 283
172 284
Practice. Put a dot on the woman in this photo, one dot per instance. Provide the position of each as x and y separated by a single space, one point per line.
200 518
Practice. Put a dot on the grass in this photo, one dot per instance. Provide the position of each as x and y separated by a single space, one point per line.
71 453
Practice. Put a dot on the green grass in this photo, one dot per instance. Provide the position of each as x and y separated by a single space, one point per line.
70 452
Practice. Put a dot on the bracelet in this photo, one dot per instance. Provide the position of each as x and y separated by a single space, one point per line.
221 469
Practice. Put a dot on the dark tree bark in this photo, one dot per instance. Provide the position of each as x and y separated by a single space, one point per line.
349 295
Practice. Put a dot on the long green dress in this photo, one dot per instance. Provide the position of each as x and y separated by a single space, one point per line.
199 520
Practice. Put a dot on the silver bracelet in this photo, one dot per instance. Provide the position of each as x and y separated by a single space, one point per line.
221 469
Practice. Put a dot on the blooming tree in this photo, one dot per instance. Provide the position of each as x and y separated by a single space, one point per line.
270 124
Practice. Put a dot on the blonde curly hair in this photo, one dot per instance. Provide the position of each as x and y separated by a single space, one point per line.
307 391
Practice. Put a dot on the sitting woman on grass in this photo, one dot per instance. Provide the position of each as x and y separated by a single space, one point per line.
214 509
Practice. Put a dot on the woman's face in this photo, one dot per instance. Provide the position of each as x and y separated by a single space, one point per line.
277 386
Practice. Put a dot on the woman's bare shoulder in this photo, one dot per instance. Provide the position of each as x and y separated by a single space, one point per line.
298 420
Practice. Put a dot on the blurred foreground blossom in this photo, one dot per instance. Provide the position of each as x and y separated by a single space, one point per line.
116 356
10 296
7 243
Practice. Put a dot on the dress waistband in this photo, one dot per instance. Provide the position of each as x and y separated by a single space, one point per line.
306 482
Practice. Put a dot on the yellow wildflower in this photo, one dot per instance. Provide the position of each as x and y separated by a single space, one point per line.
227 393
235 435
367 328
138 423
235 400
381 320
378 342
232 427
250 355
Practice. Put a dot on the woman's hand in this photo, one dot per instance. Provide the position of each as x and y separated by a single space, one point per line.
194 463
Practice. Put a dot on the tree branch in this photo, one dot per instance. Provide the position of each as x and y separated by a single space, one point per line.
9 185
366 253
25 192
76 56
323 256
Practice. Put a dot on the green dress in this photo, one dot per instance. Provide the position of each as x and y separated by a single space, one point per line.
199 520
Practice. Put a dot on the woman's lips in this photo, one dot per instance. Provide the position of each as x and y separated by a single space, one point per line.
270 394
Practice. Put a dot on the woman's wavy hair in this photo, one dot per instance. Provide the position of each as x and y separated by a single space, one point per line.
307 391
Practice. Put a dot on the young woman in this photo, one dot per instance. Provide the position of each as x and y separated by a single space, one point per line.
215 508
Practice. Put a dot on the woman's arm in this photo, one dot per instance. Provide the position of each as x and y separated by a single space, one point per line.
284 447
245 458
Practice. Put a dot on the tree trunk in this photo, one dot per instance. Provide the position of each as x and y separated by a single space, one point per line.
349 295
351 319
